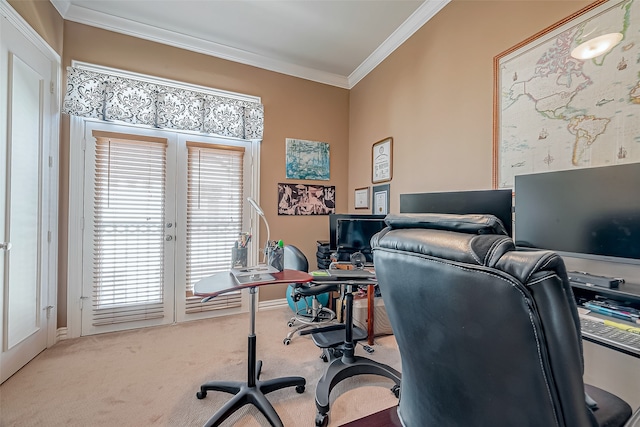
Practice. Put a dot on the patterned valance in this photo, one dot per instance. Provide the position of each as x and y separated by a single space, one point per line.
111 97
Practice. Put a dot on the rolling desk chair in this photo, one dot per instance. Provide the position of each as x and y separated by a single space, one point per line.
499 334
339 347
308 314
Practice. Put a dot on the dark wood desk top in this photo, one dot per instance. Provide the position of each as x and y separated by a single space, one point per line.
224 282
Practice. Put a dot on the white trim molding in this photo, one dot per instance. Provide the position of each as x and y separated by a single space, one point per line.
424 13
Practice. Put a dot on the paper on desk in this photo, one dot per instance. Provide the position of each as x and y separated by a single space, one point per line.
319 273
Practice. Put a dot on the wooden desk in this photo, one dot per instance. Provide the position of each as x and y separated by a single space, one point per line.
253 390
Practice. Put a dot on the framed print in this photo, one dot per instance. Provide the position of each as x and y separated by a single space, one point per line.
382 160
556 108
302 199
307 159
362 198
381 199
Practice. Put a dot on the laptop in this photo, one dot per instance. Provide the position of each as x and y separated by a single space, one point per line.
258 273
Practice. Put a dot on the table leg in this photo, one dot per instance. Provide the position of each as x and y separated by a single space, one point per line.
253 390
370 309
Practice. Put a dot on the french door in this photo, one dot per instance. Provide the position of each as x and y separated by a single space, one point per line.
27 196
161 210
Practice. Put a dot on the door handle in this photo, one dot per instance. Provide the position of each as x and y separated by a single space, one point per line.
5 246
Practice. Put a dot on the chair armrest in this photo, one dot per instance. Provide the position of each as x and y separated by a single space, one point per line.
634 421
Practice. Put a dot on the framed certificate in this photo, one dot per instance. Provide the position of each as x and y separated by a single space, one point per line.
381 199
362 198
382 161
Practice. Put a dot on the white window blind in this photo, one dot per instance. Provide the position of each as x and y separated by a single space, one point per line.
129 217
214 216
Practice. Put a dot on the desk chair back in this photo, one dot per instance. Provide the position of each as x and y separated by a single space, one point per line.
307 300
488 336
295 259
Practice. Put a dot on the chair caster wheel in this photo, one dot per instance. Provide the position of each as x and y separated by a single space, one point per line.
290 324
201 394
300 389
396 391
286 341
322 420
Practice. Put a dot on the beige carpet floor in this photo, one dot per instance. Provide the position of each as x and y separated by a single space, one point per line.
149 377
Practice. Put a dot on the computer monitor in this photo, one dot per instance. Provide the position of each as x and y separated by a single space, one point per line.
494 202
584 213
355 234
334 219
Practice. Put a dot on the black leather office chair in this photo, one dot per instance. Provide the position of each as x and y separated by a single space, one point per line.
488 336
311 314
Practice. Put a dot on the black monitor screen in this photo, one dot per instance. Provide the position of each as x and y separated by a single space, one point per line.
582 212
492 202
334 219
355 234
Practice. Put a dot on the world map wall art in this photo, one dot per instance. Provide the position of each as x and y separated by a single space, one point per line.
554 111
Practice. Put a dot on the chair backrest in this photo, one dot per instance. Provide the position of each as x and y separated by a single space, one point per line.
488 336
295 259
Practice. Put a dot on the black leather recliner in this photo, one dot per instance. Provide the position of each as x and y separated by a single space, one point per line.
488 336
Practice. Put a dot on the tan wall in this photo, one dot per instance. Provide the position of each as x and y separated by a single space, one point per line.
44 19
433 95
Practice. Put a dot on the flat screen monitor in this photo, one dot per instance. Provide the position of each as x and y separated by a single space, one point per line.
585 213
334 219
493 202
354 235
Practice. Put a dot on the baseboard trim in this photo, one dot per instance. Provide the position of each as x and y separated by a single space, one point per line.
273 304
61 334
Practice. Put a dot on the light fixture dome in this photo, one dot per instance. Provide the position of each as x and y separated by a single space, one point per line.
596 46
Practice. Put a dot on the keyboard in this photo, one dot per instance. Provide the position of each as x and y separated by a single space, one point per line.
609 334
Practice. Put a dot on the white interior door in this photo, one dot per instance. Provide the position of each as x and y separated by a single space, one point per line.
25 138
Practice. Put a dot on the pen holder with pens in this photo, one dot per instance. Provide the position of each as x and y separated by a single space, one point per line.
238 257
275 256
239 251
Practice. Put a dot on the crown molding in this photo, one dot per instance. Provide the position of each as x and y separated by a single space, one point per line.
27 31
194 44
85 16
424 13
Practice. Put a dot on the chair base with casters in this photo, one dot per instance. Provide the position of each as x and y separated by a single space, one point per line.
310 311
252 391
339 350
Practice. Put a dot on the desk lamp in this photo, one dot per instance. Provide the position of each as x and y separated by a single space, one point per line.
260 212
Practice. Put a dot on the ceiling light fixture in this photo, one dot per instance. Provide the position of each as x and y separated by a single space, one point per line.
596 46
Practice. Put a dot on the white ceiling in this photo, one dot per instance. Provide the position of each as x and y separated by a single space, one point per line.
328 41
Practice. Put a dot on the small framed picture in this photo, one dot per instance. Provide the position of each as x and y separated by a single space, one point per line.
362 198
382 161
381 199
